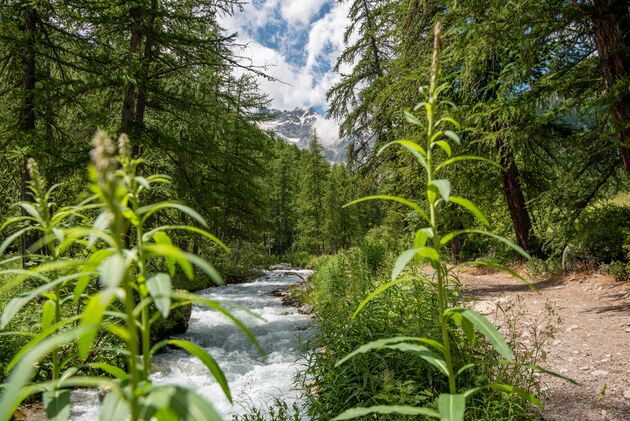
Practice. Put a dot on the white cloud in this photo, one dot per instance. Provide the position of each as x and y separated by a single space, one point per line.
300 11
327 32
251 18
327 131
300 85
296 87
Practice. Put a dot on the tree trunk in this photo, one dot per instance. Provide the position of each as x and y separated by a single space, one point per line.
516 200
146 62
128 114
27 112
611 29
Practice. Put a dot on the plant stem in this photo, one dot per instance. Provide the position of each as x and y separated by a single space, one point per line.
132 344
56 372
442 274
146 319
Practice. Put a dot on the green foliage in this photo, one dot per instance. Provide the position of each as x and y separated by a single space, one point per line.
279 410
620 271
97 266
544 269
402 313
530 96
601 233
429 243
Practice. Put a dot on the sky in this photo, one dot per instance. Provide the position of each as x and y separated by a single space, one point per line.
298 41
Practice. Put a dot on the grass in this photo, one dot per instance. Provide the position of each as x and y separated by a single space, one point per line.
389 377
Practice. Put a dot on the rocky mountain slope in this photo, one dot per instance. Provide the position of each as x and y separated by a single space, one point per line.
297 126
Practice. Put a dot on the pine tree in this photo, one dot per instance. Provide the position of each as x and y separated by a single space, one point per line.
310 201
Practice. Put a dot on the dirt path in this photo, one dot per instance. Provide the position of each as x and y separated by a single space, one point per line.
591 344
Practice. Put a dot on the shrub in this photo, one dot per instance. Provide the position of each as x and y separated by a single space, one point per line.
601 233
391 378
544 268
620 271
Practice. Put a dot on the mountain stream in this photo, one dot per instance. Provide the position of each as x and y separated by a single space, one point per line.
254 381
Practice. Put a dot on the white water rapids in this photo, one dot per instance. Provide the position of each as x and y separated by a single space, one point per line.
254 381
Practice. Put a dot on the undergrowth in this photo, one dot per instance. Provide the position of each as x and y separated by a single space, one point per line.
397 378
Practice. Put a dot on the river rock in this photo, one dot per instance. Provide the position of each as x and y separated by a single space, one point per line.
305 309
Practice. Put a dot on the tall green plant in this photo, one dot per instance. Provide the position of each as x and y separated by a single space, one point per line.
430 244
134 260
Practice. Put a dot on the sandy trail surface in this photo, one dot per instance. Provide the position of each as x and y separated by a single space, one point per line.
591 344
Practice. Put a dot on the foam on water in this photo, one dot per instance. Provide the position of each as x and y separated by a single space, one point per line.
254 380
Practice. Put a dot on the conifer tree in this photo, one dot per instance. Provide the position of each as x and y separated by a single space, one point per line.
310 200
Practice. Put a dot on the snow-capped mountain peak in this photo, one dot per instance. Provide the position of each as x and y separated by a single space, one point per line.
297 127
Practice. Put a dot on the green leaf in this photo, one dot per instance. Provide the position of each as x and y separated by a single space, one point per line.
412 119
92 316
206 267
177 403
464 368
48 314
486 328
386 410
101 223
14 220
500 267
453 136
82 381
143 182
375 293
31 210
148 210
159 286
163 238
471 207
448 237
112 271
7 242
522 393
111 370
424 353
421 237
381 344
114 407
469 331
445 146
168 251
57 404
12 394
419 105
406 202
443 186
159 178
448 120
541 370
406 256
16 304
452 407
208 361
187 228
415 149
465 158
36 340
